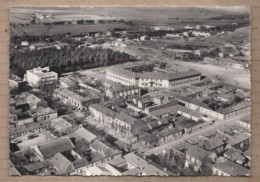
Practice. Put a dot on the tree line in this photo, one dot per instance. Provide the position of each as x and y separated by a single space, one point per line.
65 60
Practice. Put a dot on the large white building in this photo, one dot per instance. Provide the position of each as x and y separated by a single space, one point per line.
148 79
39 75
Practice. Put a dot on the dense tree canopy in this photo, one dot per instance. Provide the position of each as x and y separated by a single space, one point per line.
66 60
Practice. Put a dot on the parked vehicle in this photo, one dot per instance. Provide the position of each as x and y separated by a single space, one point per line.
32 136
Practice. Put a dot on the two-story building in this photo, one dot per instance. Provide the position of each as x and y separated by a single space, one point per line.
125 92
194 156
73 99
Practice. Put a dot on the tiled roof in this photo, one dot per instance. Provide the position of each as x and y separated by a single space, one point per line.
168 132
195 151
42 111
62 164
239 137
185 74
149 138
53 147
60 124
33 99
111 83
69 82
234 154
98 147
37 165
247 153
152 75
232 168
164 106
124 89
143 166
83 133
213 143
240 105
133 172
246 119
103 110
126 118
162 109
72 94
80 163
189 111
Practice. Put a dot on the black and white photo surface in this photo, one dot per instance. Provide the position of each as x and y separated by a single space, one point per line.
130 91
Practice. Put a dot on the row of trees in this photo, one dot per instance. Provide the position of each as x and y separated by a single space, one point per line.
81 22
66 60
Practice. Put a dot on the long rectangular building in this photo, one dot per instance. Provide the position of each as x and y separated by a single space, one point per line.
148 79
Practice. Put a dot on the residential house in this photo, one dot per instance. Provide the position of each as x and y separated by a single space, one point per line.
35 101
194 156
61 125
214 144
241 140
143 102
129 165
24 121
102 114
83 133
235 156
37 167
31 128
229 168
123 123
244 122
149 139
125 92
43 114
14 82
139 166
73 99
49 149
61 165
220 113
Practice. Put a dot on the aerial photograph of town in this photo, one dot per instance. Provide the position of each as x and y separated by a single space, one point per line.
129 91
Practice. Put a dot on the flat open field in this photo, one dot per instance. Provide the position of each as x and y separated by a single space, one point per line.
231 76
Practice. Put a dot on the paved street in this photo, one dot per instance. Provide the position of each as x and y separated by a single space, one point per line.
216 125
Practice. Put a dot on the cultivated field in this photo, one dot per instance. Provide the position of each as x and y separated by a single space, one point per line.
170 15
47 30
142 17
